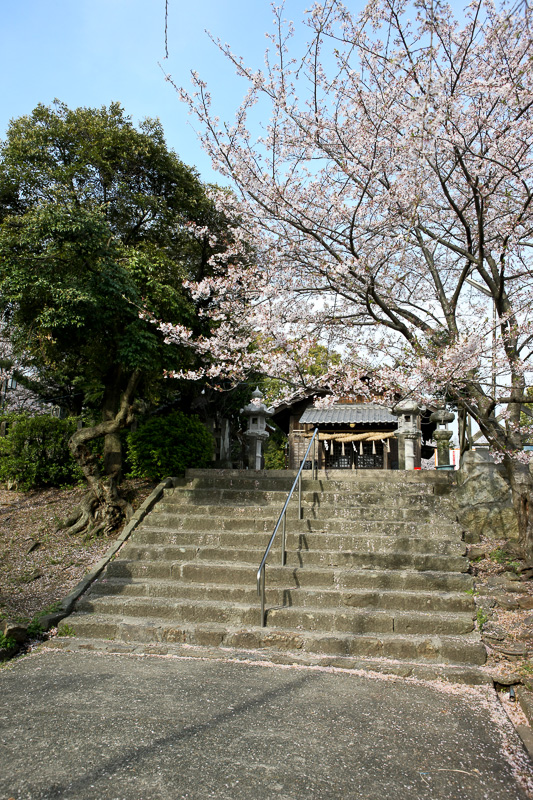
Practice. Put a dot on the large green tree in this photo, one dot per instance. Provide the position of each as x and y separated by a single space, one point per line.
98 219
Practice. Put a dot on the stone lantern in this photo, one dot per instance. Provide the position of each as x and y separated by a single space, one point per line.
257 414
442 436
408 434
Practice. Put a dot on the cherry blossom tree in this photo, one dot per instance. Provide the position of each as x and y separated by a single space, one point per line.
390 199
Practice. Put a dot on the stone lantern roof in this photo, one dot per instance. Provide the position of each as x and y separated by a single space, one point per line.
256 408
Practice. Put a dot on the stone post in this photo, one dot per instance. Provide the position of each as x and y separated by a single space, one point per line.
225 443
410 442
401 449
257 413
442 436
408 434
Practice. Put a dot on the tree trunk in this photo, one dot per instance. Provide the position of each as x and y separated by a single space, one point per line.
522 495
112 444
103 509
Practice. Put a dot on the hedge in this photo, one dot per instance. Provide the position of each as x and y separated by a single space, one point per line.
163 446
35 451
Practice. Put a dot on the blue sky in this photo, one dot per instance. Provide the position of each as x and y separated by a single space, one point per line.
91 52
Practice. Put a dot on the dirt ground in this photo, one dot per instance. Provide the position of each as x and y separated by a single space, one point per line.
39 562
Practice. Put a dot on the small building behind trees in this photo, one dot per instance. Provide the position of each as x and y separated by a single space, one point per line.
353 434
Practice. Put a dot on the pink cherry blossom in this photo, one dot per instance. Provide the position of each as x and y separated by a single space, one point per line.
389 202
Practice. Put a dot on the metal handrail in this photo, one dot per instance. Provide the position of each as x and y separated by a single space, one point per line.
261 572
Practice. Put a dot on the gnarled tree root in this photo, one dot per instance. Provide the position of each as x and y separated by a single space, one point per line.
102 510
82 516
96 518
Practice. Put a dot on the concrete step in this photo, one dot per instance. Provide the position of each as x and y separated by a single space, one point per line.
255 523
375 570
359 558
452 673
309 577
293 596
421 481
323 541
270 515
346 620
259 497
432 649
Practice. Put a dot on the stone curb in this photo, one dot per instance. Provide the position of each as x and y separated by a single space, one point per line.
67 604
526 735
449 673
525 698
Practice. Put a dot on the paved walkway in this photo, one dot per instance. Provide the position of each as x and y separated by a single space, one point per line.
115 727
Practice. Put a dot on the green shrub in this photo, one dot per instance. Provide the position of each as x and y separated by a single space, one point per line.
275 450
35 451
168 445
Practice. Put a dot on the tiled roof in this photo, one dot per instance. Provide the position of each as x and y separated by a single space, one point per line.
361 413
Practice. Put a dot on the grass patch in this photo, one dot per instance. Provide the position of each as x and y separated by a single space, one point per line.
35 628
481 618
66 630
7 642
503 558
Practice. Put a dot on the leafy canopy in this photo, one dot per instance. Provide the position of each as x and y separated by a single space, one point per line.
97 218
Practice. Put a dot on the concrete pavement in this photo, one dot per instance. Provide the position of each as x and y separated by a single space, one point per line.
121 727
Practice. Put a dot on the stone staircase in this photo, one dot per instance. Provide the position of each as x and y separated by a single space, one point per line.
375 575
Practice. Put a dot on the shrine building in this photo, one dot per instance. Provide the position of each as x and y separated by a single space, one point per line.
356 435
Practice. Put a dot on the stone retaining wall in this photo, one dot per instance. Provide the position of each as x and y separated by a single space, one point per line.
484 498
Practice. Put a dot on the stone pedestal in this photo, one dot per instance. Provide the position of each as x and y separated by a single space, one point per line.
408 434
255 449
412 449
442 436
443 447
401 449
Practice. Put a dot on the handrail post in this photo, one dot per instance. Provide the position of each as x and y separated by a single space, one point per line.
315 467
283 538
263 598
300 496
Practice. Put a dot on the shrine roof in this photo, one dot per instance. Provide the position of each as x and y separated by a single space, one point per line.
359 413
